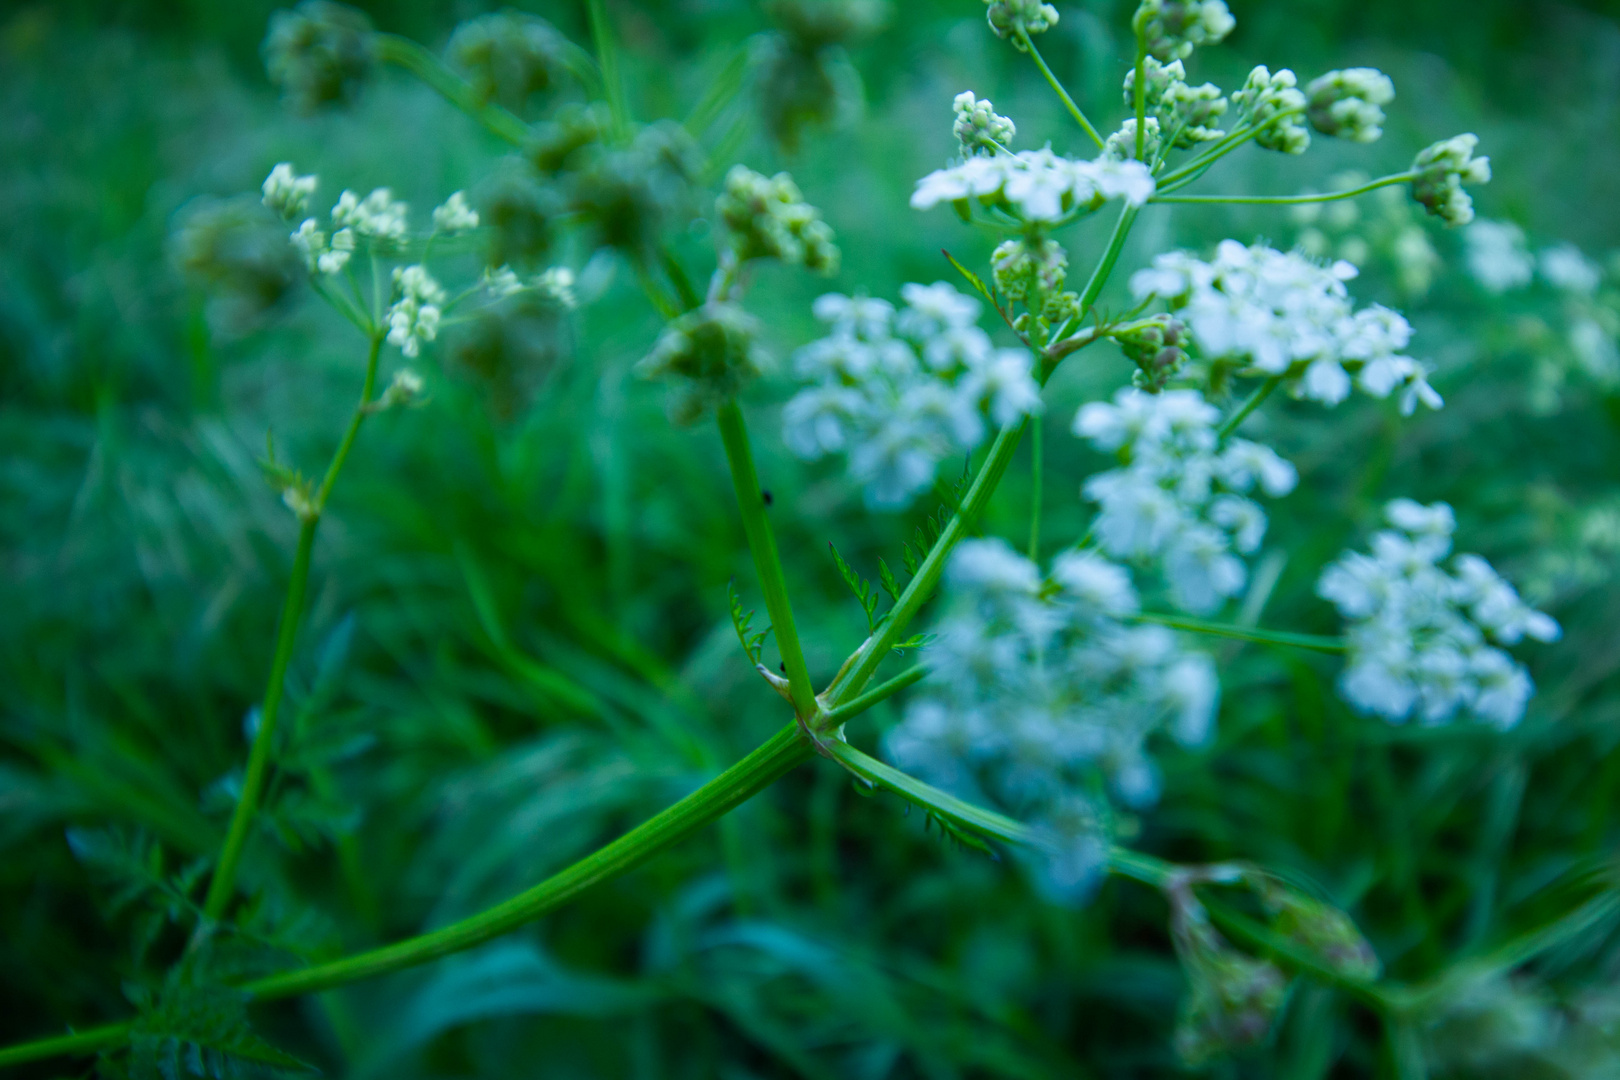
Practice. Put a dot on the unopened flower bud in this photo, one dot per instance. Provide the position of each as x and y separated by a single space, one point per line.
319 53
1173 28
510 57
1029 269
1121 145
455 216
1321 929
978 128
768 218
286 192
1349 104
1232 998
405 388
1007 17
1442 169
1274 105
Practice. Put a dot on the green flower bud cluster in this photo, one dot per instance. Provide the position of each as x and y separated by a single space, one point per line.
1274 104
1188 112
1029 269
802 77
766 217
1232 997
1171 29
1007 17
1349 104
512 57
1121 145
710 354
520 213
978 128
1442 170
630 193
319 53
574 127
1158 348
1320 929
231 248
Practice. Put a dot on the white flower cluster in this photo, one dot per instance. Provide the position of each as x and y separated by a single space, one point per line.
978 127
1039 689
1180 498
1289 316
1276 108
1417 635
1497 256
1188 113
378 216
1349 104
1564 266
286 192
556 283
899 394
320 255
455 216
1172 28
1441 170
414 317
1038 184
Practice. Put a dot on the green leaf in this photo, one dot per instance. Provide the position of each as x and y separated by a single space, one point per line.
753 643
886 579
858 585
202 1030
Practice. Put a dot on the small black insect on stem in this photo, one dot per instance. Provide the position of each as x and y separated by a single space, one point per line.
765 494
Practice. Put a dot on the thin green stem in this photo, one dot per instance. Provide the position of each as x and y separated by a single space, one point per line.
1253 402
772 760
1199 165
222 886
881 692
757 527
408 55
1141 93
1052 81
607 58
1035 438
78 1044
1312 642
1289 200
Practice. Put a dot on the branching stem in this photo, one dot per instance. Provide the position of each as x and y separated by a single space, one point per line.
1052 81
1289 200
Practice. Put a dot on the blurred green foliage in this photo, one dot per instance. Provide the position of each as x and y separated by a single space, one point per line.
518 642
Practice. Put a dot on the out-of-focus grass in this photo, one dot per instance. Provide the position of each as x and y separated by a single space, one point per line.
486 549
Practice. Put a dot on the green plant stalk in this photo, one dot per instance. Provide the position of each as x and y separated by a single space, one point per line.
1290 200
1140 87
222 885
881 692
1312 642
406 54
607 59
757 528
770 761
1052 81
1253 402
78 1044
1035 439
860 667
1198 165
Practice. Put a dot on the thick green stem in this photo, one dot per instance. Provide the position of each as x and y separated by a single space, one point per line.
784 750
1313 642
1290 200
757 527
1141 94
1253 402
222 886
1052 81
78 1044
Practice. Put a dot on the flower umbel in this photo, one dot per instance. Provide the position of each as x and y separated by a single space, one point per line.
1441 171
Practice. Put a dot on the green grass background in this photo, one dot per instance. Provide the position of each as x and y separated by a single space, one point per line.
555 518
